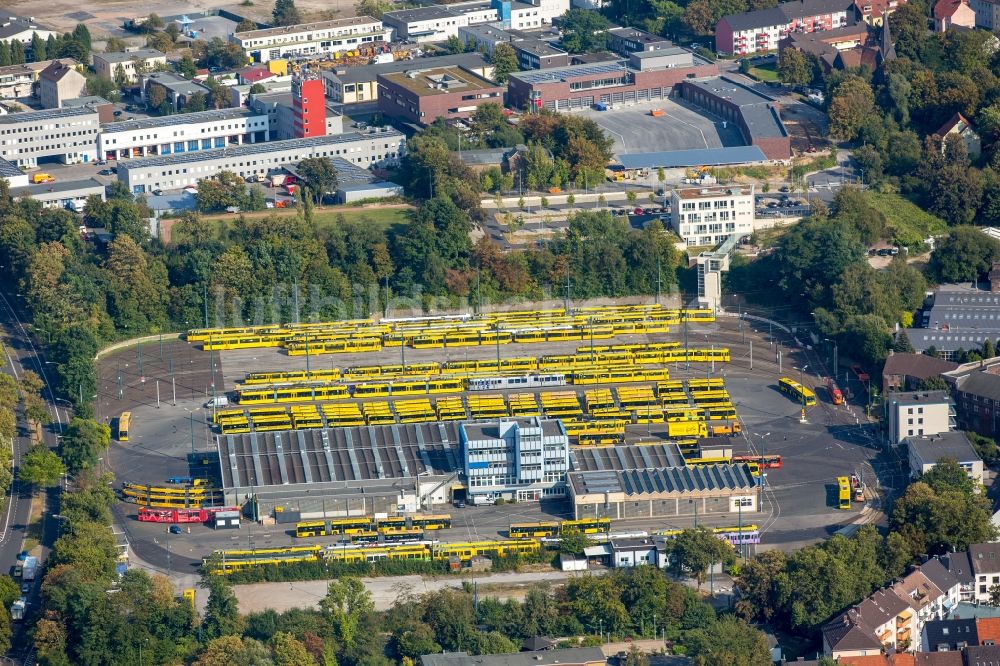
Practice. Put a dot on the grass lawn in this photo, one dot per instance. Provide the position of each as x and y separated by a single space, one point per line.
764 73
381 217
909 224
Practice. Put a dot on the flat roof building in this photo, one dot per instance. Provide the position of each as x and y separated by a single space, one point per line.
431 23
539 54
957 317
131 62
515 459
341 471
925 452
182 133
625 41
918 414
423 96
350 85
68 135
178 90
616 82
380 147
720 490
22 29
704 216
757 115
68 194
313 39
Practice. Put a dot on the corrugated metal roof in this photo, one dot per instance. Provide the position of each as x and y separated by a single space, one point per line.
695 157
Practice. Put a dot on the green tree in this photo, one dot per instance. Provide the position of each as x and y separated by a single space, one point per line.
319 177
222 614
83 443
229 649
573 543
195 103
694 551
41 467
794 67
4 54
373 8
729 642
246 25
852 104
963 256
454 45
286 13
504 61
288 651
583 31
223 190
114 45
346 603
37 47
16 52
187 67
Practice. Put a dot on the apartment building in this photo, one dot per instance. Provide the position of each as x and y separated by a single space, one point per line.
183 133
68 135
709 215
985 561
431 23
892 618
520 459
376 148
132 63
435 23
625 41
761 30
19 80
322 38
918 414
987 13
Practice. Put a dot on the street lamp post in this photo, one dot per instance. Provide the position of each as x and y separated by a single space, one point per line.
761 476
802 391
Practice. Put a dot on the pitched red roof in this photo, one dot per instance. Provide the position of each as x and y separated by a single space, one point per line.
950 125
947 8
255 74
988 629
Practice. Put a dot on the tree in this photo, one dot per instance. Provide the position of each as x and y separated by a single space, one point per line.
373 8
222 614
83 443
574 542
37 47
187 67
583 31
319 177
964 255
288 651
258 89
794 67
82 34
223 190
16 52
41 467
286 13
196 103
4 54
246 25
852 104
229 650
729 642
346 603
504 61
156 96
694 551
454 45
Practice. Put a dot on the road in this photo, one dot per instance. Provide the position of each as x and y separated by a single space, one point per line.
21 355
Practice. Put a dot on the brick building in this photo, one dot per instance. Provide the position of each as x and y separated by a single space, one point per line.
757 115
644 76
423 96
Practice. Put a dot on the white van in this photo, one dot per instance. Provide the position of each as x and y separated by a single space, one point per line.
218 401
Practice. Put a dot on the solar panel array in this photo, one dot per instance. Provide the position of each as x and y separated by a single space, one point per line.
557 74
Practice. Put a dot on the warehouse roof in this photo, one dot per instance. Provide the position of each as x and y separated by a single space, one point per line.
428 13
687 158
177 119
82 187
9 170
760 113
614 458
43 115
358 454
702 478
306 27
255 149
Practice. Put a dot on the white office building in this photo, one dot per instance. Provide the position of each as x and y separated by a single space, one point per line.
183 133
518 459
69 135
704 216
375 148
313 39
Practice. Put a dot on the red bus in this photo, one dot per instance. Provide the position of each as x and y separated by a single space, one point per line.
770 462
836 397
148 515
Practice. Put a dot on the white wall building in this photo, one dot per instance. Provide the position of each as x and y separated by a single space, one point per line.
68 135
183 133
709 215
925 452
313 39
987 13
918 414
522 459
432 23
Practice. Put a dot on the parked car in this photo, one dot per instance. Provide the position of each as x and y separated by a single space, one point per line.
175 529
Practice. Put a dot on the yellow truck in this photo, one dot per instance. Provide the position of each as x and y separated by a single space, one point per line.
687 429
730 428
42 178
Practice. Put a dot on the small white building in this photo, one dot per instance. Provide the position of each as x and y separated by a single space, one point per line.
925 452
313 39
918 414
704 216
637 551
182 133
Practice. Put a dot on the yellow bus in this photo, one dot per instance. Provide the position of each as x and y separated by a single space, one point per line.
124 423
844 490
801 394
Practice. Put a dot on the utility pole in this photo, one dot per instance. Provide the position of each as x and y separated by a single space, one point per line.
658 280
205 302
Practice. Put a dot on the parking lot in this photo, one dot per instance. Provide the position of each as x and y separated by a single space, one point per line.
634 130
